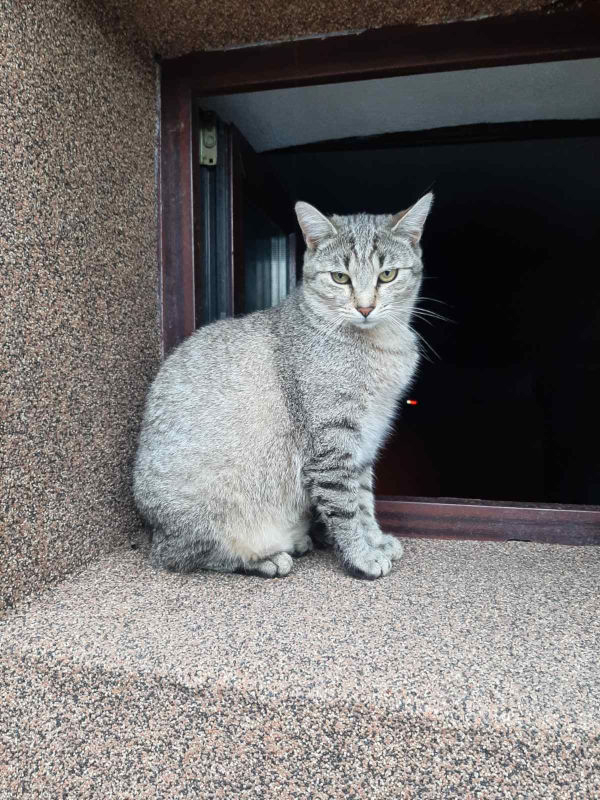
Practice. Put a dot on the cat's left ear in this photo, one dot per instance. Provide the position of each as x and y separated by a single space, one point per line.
411 221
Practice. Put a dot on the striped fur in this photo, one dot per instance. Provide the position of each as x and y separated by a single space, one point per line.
255 425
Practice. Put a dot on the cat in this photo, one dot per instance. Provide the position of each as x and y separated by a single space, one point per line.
254 425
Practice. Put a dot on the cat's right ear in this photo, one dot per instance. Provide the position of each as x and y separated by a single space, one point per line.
315 226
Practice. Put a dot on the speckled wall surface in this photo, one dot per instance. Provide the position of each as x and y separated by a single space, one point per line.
78 277
78 283
175 27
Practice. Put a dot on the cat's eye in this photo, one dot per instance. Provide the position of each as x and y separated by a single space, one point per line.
340 277
388 275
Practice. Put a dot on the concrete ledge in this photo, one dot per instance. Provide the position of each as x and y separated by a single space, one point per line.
471 672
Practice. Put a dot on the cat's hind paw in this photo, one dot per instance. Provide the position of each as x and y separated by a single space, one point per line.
276 566
303 545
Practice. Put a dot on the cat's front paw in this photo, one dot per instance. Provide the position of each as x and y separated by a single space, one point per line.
369 563
390 546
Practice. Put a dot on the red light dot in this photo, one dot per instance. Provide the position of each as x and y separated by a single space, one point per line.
411 402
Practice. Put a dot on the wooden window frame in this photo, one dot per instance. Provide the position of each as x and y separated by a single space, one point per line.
567 33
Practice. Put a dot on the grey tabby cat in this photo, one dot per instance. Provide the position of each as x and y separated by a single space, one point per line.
255 424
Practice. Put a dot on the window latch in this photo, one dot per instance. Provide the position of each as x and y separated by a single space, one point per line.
208 139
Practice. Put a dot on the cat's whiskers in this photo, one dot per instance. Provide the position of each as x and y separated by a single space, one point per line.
427 344
330 326
426 312
334 324
327 323
433 300
426 321
401 325
427 317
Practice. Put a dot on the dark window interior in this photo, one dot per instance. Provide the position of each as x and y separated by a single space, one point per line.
509 410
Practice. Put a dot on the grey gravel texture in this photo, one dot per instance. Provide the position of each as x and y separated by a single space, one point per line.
470 672
79 333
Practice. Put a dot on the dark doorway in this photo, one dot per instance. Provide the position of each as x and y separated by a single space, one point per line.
509 409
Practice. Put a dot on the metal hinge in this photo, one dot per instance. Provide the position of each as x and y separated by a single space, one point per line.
208 138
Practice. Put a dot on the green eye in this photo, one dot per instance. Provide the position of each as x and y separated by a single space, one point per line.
340 277
388 275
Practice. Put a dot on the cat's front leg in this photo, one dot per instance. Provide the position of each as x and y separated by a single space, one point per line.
333 482
391 546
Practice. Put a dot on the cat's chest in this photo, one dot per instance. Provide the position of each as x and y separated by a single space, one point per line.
387 372
386 379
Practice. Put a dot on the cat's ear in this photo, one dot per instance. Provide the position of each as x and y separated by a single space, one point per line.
315 226
410 222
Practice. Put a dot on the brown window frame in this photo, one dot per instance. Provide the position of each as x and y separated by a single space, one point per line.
566 33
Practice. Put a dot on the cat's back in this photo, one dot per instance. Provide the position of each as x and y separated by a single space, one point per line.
223 366
215 421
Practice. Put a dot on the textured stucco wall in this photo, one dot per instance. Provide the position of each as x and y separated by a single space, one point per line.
78 283
175 27
79 335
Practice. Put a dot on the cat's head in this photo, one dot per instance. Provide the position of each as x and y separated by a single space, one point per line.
365 269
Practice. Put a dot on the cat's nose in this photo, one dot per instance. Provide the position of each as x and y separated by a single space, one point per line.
366 310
